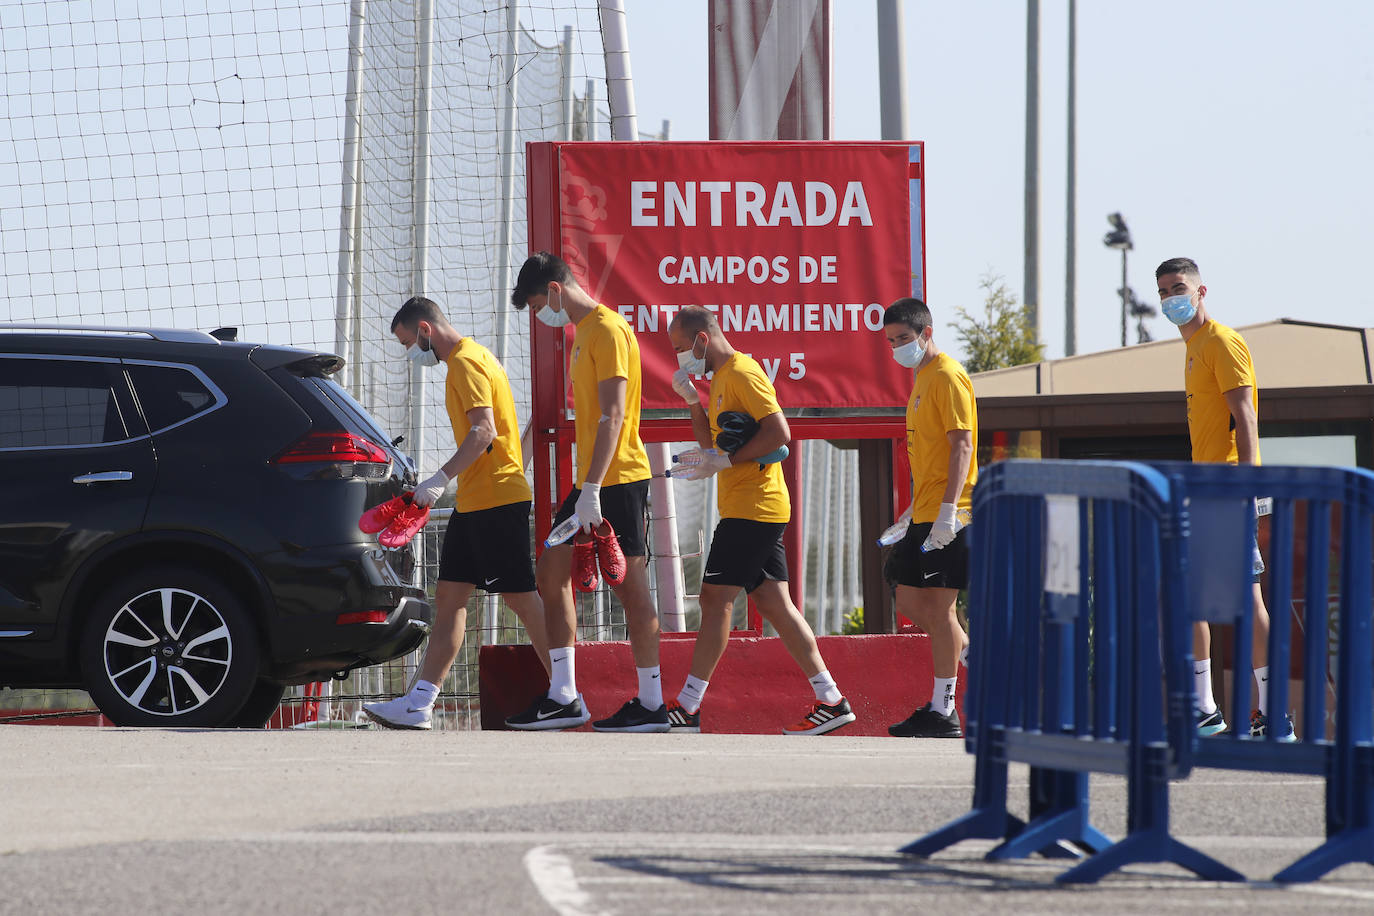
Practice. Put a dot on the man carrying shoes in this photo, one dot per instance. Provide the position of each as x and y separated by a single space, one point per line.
613 486
486 544
746 549
932 560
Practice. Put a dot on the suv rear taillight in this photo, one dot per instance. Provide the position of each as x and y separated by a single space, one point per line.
333 447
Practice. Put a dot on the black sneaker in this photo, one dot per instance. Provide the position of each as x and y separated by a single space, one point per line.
822 718
545 715
1213 723
1259 727
927 723
680 720
633 717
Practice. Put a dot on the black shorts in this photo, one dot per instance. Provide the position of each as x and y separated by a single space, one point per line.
489 548
625 506
943 568
745 553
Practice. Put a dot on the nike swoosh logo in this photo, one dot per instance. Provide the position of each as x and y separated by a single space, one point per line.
928 575
654 678
710 572
489 581
547 715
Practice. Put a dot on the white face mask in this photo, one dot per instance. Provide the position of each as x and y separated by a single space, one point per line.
554 319
909 354
422 356
690 362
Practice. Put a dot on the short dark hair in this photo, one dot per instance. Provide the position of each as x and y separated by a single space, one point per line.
538 271
1178 266
416 310
910 312
695 319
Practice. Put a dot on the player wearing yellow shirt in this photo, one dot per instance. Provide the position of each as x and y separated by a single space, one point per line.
1223 424
612 484
487 542
932 559
746 549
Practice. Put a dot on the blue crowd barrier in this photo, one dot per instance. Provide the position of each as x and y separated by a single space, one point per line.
1086 580
1069 563
1217 501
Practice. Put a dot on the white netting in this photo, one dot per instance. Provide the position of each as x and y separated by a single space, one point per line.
185 165
451 224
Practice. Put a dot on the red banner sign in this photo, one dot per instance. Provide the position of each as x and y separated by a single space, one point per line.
797 248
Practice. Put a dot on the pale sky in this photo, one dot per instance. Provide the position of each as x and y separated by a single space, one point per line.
1240 134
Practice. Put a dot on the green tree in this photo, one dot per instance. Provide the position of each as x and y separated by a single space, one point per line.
1005 336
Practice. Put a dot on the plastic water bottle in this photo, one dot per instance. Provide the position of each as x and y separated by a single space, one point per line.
894 534
564 532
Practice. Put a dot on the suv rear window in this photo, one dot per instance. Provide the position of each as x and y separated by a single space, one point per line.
168 394
52 403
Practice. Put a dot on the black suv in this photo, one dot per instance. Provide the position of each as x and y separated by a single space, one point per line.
178 524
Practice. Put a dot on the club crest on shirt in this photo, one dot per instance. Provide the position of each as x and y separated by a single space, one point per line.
1190 365
916 404
720 399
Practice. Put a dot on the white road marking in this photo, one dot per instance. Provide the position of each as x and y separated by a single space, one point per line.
553 877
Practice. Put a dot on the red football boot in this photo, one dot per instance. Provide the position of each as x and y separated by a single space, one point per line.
584 577
608 553
404 527
383 514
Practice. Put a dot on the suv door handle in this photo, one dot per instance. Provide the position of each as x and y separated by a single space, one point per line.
104 477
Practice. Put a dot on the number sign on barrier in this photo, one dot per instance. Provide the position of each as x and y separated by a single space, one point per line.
1061 556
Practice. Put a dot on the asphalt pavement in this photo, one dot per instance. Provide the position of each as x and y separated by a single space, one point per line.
116 821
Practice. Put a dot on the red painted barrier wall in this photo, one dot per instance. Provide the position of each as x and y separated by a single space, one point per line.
757 688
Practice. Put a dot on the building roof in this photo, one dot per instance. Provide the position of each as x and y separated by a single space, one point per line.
1287 354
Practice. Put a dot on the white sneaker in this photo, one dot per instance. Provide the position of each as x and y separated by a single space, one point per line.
399 713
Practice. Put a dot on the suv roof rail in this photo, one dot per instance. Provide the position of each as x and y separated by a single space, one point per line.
171 335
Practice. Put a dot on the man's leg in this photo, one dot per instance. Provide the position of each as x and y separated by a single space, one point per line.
775 604
1210 720
933 610
553 572
717 610
530 610
414 709
450 625
831 709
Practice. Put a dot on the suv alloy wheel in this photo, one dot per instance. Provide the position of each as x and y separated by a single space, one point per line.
169 646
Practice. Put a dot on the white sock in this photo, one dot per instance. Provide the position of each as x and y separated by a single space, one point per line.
1202 686
423 694
942 695
1262 679
563 677
824 686
693 692
650 687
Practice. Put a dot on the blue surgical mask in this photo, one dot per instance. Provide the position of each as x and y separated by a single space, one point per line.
689 361
909 354
1178 309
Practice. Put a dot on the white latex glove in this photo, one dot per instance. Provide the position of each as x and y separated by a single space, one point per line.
712 460
686 388
588 506
944 528
430 489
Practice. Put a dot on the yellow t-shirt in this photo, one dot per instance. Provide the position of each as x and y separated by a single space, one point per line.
1218 361
941 401
497 477
605 347
742 490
